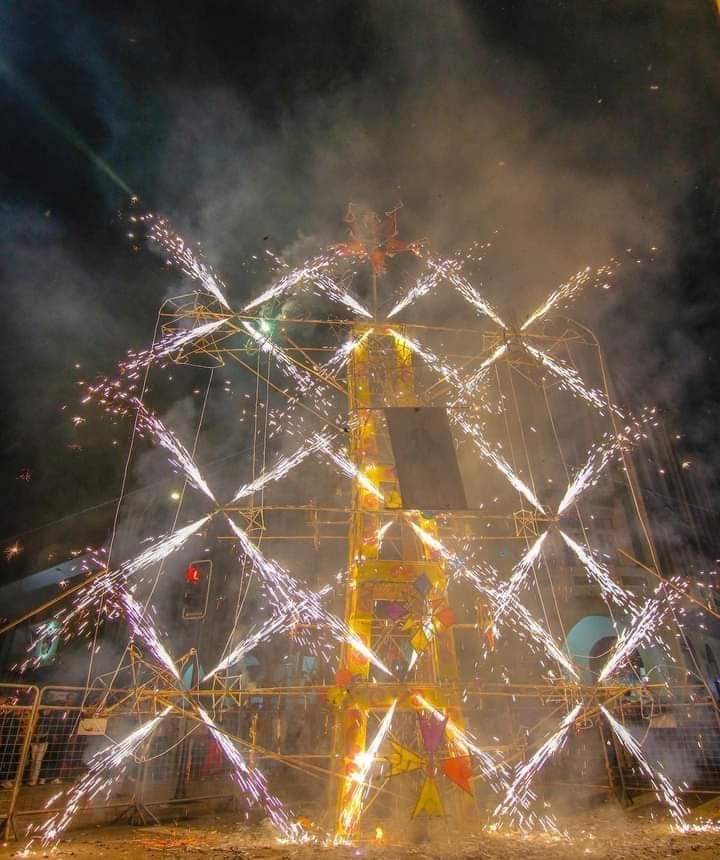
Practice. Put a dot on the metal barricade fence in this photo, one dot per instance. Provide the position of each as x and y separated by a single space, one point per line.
683 737
18 706
57 752
180 767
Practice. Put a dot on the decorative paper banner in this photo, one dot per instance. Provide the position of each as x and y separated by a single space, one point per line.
423 584
419 640
429 800
445 616
459 771
396 610
343 677
432 731
403 760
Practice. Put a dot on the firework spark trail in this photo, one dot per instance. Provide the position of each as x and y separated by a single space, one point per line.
149 423
571 380
601 454
171 343
341 356
180 254
598 458
468 292
111 581
103 769
485 582
428 629
599 572
479 375
163 548
308 270
353 808
424 285
314 272
277 624
522 617
639 629
326 286
477 438
438 269
449 373
350 470
143 630
304 381
660 783
254 784
283 466
495 773
520 572
570 289
285 592
519 793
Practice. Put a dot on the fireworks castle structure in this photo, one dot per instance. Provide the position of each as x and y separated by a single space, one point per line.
470 575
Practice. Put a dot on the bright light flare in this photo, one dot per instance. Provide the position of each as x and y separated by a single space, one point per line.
358 788
304 381
350 470
486 585
446 371
479 375
111 582
143 629
468 292
279 623
424 285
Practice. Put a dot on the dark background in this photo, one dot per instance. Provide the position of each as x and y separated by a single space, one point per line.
576 130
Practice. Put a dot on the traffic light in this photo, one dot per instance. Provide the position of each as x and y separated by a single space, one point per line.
197 589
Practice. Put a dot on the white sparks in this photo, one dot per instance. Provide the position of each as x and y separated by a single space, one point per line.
180 254
358 788
599 572
283 466
660 783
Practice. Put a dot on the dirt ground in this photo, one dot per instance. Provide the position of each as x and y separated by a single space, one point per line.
601 838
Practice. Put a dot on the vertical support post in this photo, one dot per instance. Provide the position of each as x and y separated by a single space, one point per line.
380 372
32 720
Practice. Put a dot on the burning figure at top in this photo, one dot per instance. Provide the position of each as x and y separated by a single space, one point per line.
373 238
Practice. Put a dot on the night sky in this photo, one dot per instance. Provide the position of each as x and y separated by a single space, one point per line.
576 129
